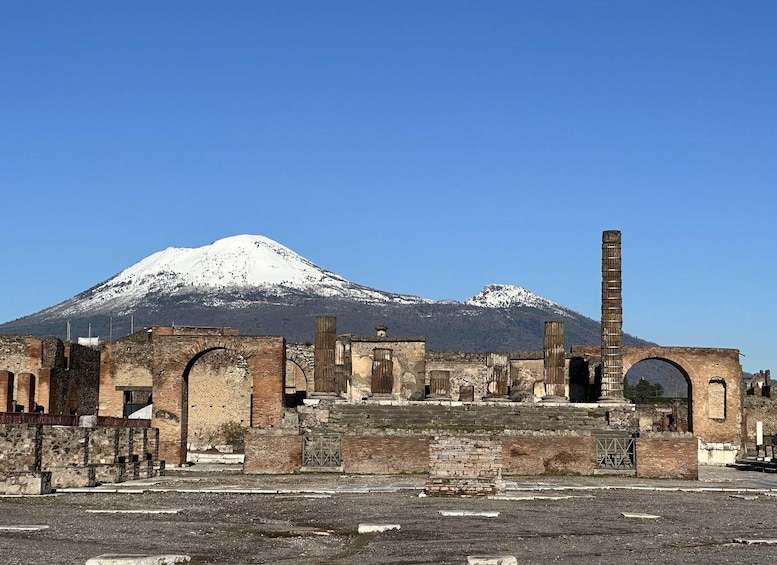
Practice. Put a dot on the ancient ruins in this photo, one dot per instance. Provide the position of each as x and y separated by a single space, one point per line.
357 404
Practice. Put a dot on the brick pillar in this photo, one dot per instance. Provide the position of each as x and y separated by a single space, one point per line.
612 318
6 391
324 354
268 371
553 356
47 382
25 391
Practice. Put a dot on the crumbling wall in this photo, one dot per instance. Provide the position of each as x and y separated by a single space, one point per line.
125 365
409 366
219 402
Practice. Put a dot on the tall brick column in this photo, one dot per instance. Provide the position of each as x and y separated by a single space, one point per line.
612 318
553 357
324 355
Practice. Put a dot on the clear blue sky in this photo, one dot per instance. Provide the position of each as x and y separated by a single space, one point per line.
422 147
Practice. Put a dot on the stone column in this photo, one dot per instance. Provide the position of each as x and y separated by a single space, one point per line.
553 357
612 318
324 355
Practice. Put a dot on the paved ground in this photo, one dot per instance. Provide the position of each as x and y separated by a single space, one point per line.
219 516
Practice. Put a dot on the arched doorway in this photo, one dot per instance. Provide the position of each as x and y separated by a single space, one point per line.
217 393
661 390
296 382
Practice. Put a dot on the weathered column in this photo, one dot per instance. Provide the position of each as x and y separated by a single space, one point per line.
553 357
612 318
324 355
496 371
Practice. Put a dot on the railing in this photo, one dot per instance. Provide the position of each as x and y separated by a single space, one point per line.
68 420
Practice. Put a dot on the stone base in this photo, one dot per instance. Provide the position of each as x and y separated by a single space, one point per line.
555 399
26 483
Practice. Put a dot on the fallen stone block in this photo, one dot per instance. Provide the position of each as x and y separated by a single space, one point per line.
491 560
377 528
132 559
487 514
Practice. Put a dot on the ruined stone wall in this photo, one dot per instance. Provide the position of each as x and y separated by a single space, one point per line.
466 370
84 375
78 456
18 448
20 354
760 409
409 366
299 368
527 381
219 402
125 363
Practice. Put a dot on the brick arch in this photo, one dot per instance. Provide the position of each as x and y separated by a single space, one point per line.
173 355
699 366
305 366
629 362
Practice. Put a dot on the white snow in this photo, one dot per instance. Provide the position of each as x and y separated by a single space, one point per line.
226 272
509 296
234 264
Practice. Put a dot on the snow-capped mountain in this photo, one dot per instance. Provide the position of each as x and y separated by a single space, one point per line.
260 287
234 266
510 296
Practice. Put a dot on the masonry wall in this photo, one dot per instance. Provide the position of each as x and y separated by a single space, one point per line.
219 402
125 364
409 366
390 454
544 453
77 456
667 456
272 452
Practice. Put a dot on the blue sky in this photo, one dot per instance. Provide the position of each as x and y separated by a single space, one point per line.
424 147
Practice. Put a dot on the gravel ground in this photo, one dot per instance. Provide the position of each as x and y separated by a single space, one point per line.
310 519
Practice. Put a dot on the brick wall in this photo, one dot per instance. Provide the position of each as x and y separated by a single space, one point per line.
667 456
271 452
538 454
385 454
465 465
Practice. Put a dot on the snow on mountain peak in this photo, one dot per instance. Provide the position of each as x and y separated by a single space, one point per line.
239 263
508 296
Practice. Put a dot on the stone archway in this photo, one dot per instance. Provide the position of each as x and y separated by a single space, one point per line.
703 366
218 391
173 356
680 420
